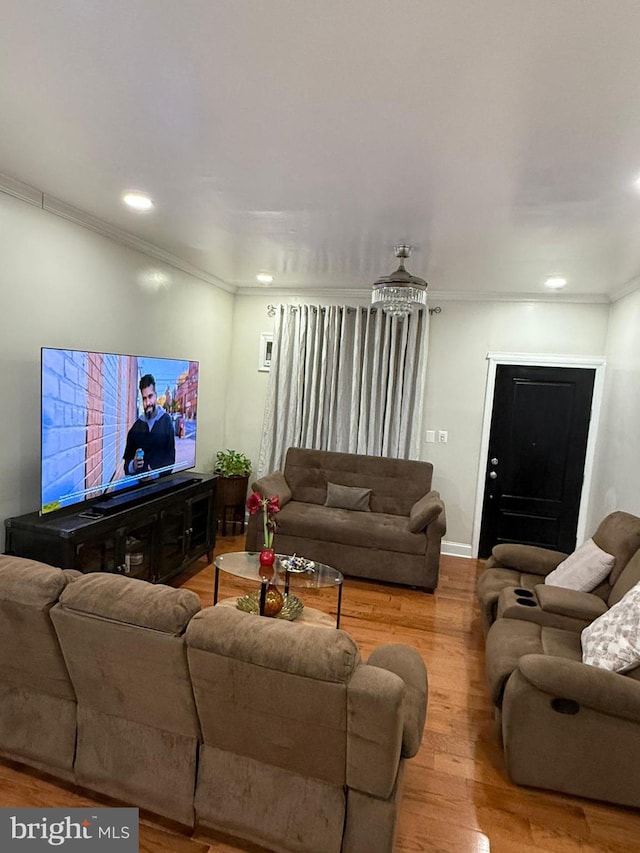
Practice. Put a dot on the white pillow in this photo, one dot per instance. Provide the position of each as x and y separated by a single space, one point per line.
584 569
612 641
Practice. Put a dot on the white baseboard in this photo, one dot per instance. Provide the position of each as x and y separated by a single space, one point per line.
456 549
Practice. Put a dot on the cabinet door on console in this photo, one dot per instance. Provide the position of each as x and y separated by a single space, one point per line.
200 524
173 541
128 550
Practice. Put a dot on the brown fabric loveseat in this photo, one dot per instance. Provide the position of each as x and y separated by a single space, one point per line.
524 567
366 516
268 730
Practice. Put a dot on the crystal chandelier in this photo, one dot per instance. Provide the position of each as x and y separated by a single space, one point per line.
400 293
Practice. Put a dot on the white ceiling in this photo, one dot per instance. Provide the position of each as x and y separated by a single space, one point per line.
500 137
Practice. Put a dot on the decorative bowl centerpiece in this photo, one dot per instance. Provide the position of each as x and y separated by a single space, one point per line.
296 564
292 607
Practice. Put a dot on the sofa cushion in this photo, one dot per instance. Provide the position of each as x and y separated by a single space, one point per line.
628 578
424 511
509 639
345 527
325 654
583 570
132 601
30 582
348 497
396 484
618 534
530 559
612 641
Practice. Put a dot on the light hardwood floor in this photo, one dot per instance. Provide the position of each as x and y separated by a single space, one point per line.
457 798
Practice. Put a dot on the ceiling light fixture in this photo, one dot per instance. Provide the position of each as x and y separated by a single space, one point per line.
555 282
400 293
264 278
137 201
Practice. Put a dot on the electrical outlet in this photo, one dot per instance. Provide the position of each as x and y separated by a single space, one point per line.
443 436
431 436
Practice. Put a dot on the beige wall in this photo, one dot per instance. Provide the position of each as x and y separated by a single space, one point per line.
460 338
62 285
617 466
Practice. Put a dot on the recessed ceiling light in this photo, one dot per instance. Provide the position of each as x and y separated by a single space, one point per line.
264 278
555 282
137 201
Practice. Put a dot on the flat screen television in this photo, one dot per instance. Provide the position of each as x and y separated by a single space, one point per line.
112 422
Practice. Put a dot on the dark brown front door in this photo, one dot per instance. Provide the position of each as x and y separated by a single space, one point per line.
535 464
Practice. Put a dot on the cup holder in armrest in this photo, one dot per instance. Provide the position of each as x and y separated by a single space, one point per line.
565 706
525 593
527 602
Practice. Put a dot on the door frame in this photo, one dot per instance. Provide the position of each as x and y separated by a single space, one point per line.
536 360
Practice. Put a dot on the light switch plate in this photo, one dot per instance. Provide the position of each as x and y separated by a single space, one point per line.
431 435
443 436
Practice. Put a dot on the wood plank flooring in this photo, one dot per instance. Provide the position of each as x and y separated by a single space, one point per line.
457 798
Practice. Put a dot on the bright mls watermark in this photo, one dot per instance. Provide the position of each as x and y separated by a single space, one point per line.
80 830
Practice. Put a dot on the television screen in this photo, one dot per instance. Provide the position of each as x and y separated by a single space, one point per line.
113 421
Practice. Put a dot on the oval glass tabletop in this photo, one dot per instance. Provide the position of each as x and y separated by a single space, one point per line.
244 564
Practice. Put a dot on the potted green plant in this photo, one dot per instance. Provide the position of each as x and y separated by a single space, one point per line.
233 469
231 463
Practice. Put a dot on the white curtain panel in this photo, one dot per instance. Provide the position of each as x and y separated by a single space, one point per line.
345 379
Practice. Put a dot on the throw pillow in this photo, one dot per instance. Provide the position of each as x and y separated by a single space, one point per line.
348 497
424 510
584 569
612 641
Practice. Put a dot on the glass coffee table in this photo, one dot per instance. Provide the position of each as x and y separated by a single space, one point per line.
244 564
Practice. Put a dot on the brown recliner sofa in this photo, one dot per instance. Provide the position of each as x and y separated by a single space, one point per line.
395 535
274 732
513 568
565 725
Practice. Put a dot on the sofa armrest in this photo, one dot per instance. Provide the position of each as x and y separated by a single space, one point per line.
409 666
436 529
271 485
570 602
528 559
599 689
424 511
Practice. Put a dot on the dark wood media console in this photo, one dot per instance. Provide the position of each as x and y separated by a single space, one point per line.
153 537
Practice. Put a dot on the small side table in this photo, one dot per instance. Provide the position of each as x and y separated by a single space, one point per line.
245 564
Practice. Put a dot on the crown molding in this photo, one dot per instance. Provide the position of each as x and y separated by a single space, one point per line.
304 293
80 217
18 189
497 296
626 289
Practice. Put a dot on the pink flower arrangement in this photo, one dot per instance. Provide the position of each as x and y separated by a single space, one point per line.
269 506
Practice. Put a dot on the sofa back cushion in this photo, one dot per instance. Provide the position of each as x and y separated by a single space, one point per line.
273 691
396 484
30 655
122 640
618 534
627 579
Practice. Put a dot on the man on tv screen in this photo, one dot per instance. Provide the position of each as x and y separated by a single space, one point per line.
151 441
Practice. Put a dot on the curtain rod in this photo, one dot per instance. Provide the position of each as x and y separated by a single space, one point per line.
271 309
